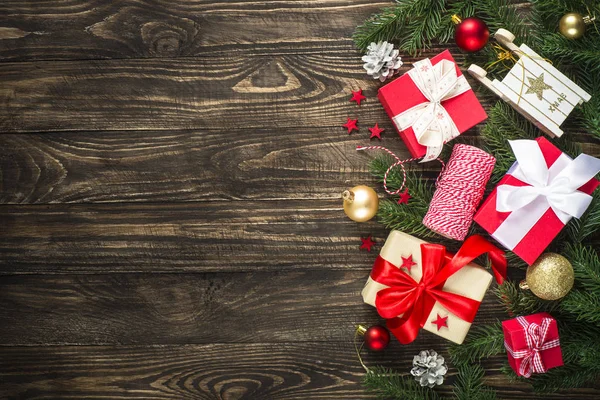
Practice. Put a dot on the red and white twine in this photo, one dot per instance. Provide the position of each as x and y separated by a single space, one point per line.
399 163
459 191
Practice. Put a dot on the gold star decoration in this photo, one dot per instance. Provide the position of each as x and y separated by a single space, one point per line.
537 86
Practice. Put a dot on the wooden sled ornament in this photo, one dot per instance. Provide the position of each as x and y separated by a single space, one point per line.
533 87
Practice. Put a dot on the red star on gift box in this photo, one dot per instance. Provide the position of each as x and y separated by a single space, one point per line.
404 197
367 243
407 262
376 132
440 322
351 125
357 96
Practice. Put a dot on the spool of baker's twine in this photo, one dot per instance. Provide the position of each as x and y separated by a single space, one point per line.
459 191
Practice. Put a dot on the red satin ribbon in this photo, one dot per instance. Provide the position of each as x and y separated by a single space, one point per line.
415 300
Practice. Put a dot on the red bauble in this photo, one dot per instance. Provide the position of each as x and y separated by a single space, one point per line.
377 338
472 34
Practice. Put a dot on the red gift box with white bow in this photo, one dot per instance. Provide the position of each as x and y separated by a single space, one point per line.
540 193
431 105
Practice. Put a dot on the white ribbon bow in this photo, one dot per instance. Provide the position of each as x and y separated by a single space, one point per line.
554 187
430 121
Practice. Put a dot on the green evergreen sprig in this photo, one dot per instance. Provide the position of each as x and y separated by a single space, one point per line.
386 384
483 341
469 384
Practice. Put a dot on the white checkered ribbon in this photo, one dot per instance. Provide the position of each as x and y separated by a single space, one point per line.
432 124
535 336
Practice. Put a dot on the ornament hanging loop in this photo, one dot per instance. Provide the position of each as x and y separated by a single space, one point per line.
456 19
523 285
348 196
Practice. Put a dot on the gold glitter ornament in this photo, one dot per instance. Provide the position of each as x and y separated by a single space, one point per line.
360 203
551 277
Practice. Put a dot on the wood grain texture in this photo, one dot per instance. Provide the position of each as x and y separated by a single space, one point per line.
183 166
106 29
199 237
324 371
255 307
213 92
170 221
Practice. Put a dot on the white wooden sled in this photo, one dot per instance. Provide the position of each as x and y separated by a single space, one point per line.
533 87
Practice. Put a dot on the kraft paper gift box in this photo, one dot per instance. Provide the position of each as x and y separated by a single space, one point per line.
471 281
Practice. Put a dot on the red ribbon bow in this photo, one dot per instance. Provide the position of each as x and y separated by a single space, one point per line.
536 337
415 300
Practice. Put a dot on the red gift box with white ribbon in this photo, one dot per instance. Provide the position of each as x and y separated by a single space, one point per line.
532 344
431 105
540 193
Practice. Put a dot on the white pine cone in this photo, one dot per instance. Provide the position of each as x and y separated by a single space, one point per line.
381 60
429 368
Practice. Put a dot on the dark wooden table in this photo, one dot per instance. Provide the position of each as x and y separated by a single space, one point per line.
171 223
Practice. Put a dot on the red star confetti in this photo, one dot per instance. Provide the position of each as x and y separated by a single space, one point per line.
357 96
376 132
367 243
440 322
351 125
404 197
407 262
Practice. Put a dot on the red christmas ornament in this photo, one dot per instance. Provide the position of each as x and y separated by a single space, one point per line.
357 96
376 132
440 322
407 262
404 197
351 125
472 34
367 243
376 337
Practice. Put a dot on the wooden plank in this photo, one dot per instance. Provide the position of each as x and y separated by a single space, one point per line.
183 166
163 28
236 91
324 371
198 237
254 307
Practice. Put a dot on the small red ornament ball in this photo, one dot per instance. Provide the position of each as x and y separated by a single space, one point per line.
472 34
377 338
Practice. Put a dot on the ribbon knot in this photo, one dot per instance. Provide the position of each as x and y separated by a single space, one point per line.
540 188
413 300
536 338
437 83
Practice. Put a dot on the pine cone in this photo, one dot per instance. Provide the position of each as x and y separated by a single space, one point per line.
381 60
429 368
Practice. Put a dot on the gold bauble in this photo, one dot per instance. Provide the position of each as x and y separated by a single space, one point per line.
572 25
360 203
550 277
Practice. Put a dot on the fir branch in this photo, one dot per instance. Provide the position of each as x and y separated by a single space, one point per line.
578 230
585 305
386 384
386 26
405 218
469 384
413 24
483 341
520 302
586 265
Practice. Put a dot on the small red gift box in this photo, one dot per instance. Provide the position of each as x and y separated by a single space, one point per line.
421 90
532 344
540 193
